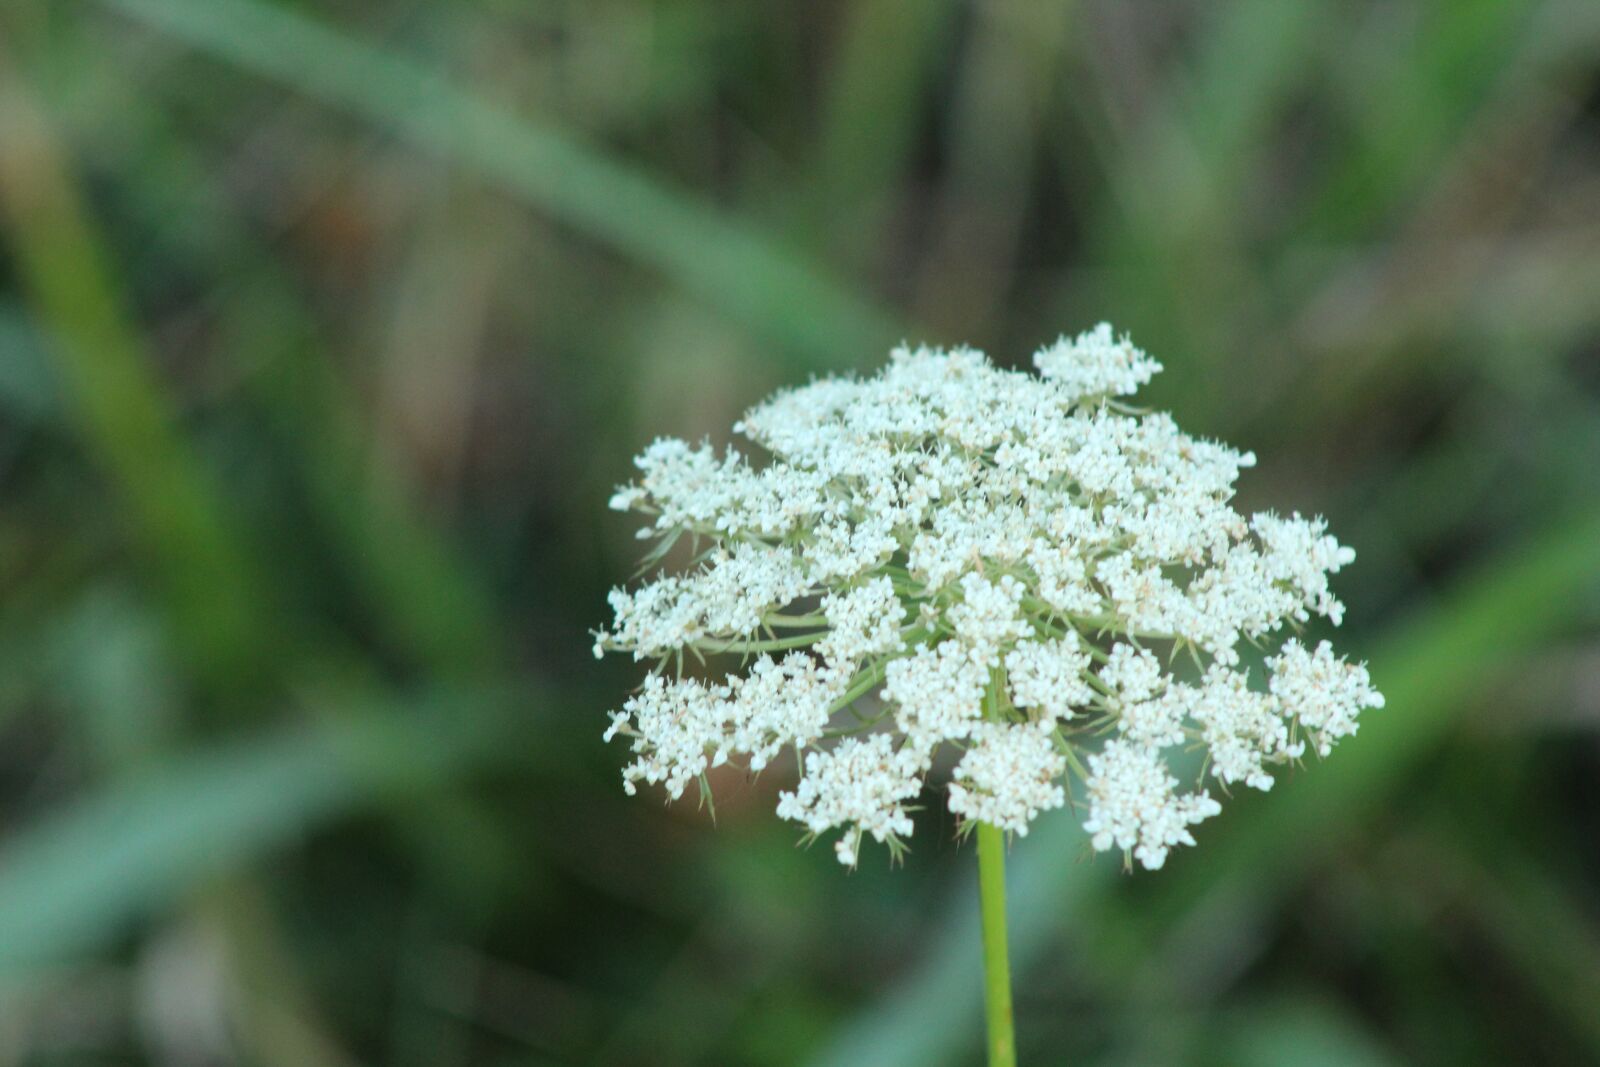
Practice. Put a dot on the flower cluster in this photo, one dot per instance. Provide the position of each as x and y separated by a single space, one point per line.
949 556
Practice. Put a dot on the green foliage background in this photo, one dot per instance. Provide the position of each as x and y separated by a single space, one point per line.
325 330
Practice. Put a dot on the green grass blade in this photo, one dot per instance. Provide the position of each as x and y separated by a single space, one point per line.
1302 1030
1410 103
728 264
30 389
422 596
887 57
119 405
78 876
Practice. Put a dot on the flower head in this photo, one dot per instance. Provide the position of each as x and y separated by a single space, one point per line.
949 555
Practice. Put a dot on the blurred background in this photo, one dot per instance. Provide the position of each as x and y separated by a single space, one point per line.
326 329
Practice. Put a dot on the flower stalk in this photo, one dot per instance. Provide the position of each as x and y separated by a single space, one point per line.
996 964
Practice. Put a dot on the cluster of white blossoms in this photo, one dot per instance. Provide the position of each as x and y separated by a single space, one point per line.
1020 570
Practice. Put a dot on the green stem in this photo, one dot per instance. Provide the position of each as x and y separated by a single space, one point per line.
713 645
996 968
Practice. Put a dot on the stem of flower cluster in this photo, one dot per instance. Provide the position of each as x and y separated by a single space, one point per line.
996 966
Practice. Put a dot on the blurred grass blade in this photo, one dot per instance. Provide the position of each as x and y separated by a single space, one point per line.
1533 922
1410 102
1175 248
889 53
30 389
74 878
215 593
726 263
1428 671
422 596
1305 1030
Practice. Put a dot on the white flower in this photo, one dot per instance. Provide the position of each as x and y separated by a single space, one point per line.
937 693
730 594
949 554
1242 729
863 622
986 620
1134 673
1157 722
1049 675
780 704
1132 805
1096 362
860 784
1321 691
679 728
1009 775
